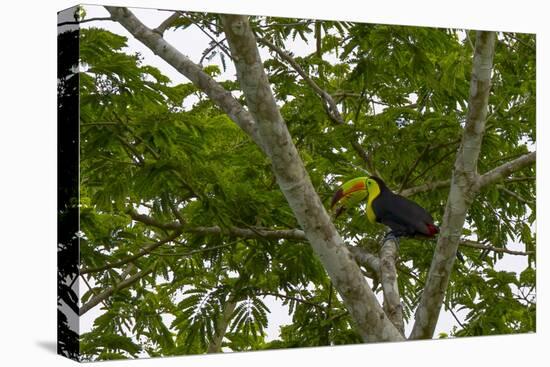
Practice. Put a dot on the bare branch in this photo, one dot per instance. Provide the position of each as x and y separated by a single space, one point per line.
519 198
109 291
285 296
428 186
520 179
150 221
84 21
193 252
327 98
361 256
90 289
388 280
328 101
503 171
144 251
365 258
167 23
473 244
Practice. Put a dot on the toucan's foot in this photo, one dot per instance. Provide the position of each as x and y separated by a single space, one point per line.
391 236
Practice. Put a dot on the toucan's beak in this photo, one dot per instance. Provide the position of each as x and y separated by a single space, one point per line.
349 195
336 197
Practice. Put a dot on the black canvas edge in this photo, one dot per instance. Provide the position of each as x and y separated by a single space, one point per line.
68 330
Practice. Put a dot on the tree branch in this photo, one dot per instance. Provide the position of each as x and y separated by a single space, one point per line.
84 21
472 244
215 345
519 198
158 45
150 221
372 322
144 251
285 296
462 190
333 112
429 186
503 171
365 258
167 23
388 280
109 291
361 256
329 103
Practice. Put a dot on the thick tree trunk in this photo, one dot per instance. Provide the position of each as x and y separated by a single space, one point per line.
372 322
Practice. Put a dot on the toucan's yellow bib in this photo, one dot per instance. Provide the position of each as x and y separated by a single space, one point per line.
374 191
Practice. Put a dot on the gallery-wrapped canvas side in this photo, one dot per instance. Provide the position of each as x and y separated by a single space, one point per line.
67 181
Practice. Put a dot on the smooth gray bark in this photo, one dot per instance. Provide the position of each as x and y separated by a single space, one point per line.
462 191
388 280
503 171
372 322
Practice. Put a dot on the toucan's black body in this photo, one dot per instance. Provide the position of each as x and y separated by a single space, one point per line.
403 216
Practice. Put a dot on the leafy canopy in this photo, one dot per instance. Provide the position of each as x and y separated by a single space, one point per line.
166 151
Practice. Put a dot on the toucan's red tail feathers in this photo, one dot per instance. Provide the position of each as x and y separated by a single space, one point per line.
432 229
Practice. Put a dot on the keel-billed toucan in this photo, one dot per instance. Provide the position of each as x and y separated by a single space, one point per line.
403 216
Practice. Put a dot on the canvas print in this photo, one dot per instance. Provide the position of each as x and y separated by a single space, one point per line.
235 183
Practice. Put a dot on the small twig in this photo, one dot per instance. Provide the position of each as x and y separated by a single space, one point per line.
439 161
520 179
516 196
92 290
521 41
144 251
176 213
224 49
193 252
109 291
84 21
131 150
413 167
279 295
208 50
472 244
101 123
456 318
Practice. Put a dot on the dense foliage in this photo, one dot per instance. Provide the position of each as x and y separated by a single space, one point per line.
168 181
